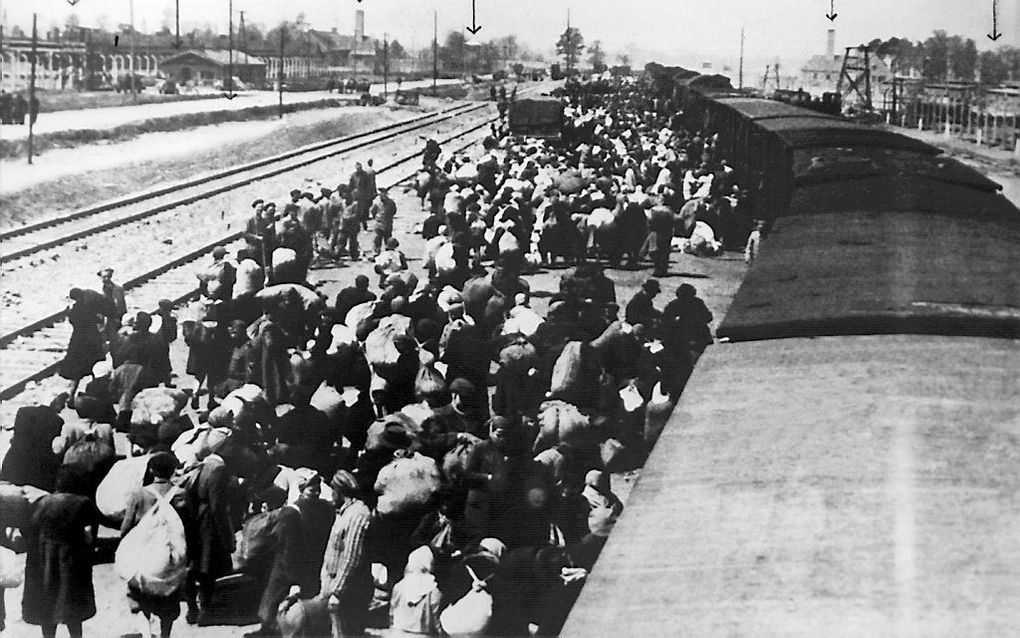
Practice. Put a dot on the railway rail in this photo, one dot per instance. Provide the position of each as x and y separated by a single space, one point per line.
34 351
33 238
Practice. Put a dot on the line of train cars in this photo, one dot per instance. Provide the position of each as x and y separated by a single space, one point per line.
845 461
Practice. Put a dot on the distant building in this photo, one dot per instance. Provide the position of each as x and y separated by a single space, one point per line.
821 73
331 54
209 67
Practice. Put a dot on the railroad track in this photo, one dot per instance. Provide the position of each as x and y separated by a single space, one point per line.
34 351
30 239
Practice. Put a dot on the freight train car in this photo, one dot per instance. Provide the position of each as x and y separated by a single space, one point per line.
846 461
537 117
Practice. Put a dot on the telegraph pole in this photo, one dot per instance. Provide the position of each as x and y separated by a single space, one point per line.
279 75
385 65
435 50
31 88
230 49
134 91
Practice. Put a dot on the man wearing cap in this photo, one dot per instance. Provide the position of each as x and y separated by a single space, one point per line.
115 293
346 570
640 309
361 189
383 211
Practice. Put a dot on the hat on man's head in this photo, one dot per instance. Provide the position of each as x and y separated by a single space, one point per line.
295 192
462 386
392 243
394 437
651 285
257 202
105 271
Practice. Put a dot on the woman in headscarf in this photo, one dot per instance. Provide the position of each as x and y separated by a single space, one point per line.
58 566
416 600
30 459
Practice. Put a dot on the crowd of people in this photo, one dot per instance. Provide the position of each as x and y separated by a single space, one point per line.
14 109
428 455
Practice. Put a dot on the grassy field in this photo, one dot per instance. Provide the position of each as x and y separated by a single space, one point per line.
78 191
50 101
70 139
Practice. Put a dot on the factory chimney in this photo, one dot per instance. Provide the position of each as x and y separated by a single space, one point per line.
359 25
830 46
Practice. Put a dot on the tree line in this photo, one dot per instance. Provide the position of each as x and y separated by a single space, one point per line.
944 57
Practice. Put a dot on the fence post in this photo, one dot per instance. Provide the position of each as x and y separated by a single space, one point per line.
1016 148
980 135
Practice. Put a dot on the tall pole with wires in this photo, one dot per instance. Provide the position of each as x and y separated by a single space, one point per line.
131 67
435 50
31 89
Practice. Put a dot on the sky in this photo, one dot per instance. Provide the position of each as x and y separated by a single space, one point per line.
670 31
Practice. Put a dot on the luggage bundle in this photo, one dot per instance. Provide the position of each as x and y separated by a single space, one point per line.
380 349
153 406
124 477
153 557
430 385
407 483
17 504
559 422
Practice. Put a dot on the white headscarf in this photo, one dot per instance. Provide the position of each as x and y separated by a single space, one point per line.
418 580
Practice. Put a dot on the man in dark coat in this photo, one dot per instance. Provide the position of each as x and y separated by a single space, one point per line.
640 308
352 296
209 533
280 567
361 188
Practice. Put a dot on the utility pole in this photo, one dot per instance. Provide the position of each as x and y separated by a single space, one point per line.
385 65
134 92
741 72
435 50
31 89
570 45
279 75
228 85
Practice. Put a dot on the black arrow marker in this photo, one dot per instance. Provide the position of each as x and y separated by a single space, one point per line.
475 27
177 42
995 35
116 40
831 15
72 2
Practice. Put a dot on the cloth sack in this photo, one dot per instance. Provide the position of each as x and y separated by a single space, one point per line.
152 406
406 483
11 571
17 504
124 477
470 615
153 557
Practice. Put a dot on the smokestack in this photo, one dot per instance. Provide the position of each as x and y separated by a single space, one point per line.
359 25
830 47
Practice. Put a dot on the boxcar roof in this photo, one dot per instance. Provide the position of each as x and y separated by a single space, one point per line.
831 164
809 132
845 486
884 255
760 108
